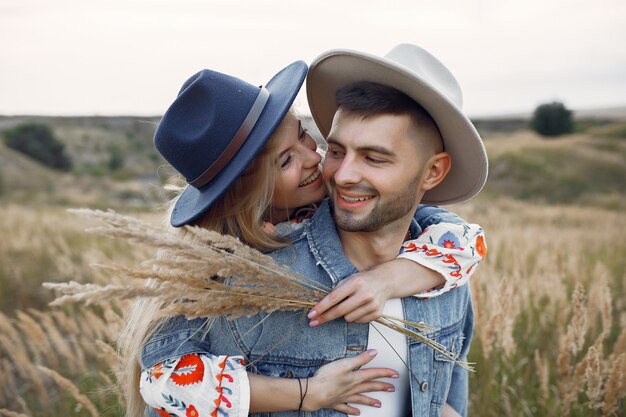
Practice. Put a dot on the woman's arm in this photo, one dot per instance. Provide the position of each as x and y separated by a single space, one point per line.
443 257
204 384
332 386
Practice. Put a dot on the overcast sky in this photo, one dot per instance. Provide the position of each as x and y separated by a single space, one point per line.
105 57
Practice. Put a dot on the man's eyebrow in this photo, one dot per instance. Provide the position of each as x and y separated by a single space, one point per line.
332 141
369 148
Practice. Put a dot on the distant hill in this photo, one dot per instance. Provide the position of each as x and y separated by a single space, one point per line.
91 142
585 168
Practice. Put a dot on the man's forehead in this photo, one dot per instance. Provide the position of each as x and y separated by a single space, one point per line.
382 130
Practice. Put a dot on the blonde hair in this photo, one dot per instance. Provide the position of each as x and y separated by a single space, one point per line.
240 212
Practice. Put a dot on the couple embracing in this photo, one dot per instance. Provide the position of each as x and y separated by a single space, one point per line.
354 220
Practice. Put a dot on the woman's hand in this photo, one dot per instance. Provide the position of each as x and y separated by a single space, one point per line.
361 297
340 382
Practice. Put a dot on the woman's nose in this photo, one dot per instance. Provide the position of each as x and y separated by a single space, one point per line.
312 157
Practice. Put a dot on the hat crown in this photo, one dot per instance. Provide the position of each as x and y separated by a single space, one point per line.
203 120
424 65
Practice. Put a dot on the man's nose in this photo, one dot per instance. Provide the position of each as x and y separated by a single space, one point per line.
347 173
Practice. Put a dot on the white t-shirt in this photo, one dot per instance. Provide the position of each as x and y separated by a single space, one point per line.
397 403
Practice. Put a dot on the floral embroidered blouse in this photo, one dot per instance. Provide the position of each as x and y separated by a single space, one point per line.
204 385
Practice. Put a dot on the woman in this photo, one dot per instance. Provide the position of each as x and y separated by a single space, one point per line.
250 165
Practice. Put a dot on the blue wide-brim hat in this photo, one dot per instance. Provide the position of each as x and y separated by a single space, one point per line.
216 126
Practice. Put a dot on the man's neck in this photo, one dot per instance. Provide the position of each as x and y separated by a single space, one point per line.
368 249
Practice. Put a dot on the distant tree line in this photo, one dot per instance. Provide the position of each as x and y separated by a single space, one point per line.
38 142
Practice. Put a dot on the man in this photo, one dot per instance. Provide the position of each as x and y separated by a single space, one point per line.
385 156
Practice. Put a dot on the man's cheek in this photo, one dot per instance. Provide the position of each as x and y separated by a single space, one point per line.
328 171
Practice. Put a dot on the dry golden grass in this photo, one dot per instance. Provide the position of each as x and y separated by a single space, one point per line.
550 305
550 295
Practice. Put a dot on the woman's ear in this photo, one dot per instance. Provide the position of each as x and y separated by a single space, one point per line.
435 170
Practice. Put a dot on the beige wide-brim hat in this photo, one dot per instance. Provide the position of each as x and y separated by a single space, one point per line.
421 76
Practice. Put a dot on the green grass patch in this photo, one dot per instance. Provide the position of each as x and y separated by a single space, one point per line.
550 175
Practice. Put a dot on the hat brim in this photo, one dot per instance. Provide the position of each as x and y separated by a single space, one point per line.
337 68
283 88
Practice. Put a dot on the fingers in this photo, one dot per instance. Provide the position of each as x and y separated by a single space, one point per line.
346 409
355 300
356 399
363 314
371 374
351 306
368 374
337 295
359 360
375 386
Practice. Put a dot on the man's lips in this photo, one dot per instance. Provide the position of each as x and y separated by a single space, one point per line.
352 199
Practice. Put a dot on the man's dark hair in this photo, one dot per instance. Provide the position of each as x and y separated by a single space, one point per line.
367 99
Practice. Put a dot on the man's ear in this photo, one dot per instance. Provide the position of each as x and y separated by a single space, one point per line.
436 169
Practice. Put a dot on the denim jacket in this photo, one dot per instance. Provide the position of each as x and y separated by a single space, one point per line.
283 345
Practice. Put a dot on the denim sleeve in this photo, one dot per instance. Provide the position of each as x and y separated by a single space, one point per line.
177 336
428 215
459 387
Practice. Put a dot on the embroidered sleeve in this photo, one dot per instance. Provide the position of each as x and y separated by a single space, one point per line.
197 385
453 250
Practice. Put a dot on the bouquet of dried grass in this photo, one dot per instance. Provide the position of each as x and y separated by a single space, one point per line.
210 275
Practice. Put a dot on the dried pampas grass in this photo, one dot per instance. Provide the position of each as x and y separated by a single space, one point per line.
209 275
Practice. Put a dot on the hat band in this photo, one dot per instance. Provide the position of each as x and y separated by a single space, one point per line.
238 140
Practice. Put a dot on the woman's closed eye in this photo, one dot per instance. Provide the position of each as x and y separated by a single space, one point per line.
286 160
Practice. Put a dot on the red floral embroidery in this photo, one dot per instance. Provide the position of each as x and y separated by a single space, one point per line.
189 370
161 412
157 371
481 248
220 391
448 259
448 244
191 411
410 247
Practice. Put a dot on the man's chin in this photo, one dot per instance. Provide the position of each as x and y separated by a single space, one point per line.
349 223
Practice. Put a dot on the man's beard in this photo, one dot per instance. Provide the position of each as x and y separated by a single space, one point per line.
382 214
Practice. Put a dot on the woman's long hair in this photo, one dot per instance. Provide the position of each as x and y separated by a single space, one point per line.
239 212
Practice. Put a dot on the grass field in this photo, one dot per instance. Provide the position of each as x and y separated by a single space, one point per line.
550 298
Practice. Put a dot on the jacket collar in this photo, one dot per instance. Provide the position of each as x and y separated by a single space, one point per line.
325 245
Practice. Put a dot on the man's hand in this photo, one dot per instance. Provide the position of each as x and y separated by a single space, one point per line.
360 298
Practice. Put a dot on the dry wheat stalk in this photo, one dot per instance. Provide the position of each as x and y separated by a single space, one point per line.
68 386
578 324
594 376
615 386
543 371
9 413
23 366
210 275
